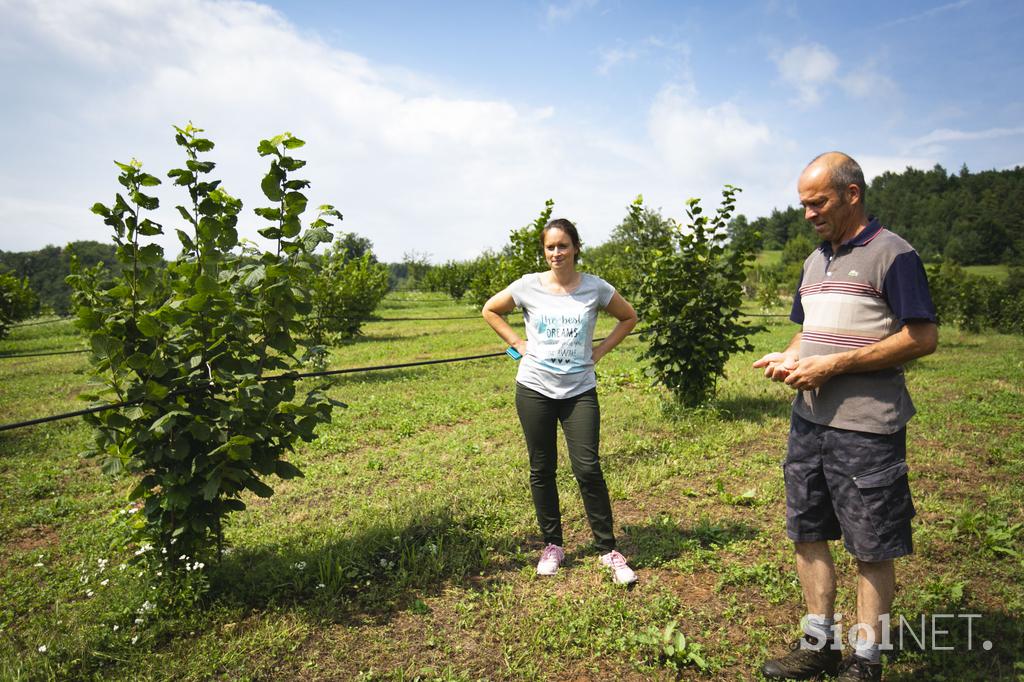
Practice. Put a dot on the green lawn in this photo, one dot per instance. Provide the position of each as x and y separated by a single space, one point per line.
998 272
407 551
768 259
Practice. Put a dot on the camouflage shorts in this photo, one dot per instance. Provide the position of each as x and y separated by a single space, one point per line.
850 485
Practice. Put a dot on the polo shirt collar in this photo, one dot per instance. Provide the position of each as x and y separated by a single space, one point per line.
874 226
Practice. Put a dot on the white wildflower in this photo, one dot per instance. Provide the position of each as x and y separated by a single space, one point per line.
321 586
88 593
116 628
104 582
135 639
139 621
42 648
38 564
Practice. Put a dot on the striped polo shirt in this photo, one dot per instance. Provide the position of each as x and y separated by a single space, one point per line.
865 291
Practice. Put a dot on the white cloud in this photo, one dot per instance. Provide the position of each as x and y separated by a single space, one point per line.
704 147
874 165
927 14
812 70
809 69
949 135
412 165
566 11
868 83
937 143
613 57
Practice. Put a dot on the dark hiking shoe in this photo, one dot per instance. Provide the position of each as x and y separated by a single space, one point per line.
854 668
804 662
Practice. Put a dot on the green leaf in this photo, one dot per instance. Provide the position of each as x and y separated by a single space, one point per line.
164 423
292 143
290 164
138 491
112 466
197 302
155 391
200 166
151 254
186 241
265 148
271 186
145 201
211 488
268 213
290 227
206 284
137 361
259 487
254 277
181 176
286 470
295 203
148 228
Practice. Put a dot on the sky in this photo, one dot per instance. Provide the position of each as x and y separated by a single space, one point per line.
435 128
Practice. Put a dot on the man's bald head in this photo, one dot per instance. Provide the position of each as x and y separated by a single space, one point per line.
842 171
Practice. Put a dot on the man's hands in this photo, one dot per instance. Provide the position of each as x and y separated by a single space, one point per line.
520 346
778 365
804 374
811 372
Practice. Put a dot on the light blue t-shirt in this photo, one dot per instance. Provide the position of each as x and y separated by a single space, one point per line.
559 361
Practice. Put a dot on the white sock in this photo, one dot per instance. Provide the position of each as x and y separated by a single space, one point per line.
818 626
869 651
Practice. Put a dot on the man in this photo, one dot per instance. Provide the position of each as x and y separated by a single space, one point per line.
865 309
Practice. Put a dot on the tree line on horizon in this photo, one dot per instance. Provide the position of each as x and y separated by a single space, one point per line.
967 218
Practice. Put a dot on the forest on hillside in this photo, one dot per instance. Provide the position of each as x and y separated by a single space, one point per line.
46 269
970 218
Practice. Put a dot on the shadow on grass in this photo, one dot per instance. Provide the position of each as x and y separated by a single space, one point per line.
663 539
371 574
752 408
964 630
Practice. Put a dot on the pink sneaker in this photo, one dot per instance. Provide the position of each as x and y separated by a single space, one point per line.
621 572
550 560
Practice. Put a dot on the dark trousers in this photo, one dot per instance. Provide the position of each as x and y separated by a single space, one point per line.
581 423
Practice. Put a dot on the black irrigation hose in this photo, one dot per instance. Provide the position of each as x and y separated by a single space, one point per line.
276 377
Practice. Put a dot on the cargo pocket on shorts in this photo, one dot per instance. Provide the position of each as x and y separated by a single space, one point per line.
886 496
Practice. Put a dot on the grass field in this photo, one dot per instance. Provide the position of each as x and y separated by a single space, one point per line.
407 551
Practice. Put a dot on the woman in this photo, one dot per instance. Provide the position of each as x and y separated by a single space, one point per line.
556 383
